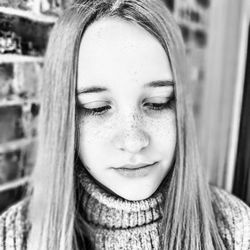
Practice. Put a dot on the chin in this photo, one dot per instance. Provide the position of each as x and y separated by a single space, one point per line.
134 195
137 197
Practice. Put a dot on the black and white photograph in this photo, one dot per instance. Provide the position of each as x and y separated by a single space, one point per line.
124 125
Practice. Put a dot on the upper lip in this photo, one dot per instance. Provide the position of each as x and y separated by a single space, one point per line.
135 166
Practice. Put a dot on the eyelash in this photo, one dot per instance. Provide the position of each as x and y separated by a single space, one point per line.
157 107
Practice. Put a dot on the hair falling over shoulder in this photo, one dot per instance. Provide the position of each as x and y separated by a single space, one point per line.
188 220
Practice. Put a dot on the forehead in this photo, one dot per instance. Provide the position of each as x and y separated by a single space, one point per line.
113 49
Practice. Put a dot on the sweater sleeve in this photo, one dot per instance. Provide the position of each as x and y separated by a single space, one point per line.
14 227
232 218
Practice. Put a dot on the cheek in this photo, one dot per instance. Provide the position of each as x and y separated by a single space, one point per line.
93 136
89 132
94 130
163 133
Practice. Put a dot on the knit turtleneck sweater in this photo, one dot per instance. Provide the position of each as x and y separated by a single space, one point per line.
118 223
137 227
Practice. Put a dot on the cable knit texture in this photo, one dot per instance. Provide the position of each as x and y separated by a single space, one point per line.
14 227
121 224
233 220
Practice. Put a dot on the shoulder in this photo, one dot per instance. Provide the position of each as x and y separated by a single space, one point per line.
14 226
233 219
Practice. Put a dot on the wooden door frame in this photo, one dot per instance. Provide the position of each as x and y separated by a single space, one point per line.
222 95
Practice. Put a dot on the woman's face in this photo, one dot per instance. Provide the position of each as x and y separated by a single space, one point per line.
126 105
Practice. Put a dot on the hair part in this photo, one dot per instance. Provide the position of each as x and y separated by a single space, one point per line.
188 221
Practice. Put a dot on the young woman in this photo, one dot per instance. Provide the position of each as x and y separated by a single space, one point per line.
117 164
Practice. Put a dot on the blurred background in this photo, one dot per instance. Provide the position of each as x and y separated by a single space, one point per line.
217 38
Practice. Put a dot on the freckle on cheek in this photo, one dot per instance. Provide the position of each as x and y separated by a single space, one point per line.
162 127
92 131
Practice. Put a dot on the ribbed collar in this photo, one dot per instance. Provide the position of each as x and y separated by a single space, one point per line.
118 222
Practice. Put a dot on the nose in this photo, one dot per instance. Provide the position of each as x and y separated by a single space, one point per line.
131 140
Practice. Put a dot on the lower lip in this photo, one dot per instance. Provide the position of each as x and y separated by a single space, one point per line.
136 172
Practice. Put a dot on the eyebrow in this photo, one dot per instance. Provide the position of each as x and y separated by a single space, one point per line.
154 84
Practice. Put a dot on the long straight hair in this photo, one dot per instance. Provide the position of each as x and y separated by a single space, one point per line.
188 220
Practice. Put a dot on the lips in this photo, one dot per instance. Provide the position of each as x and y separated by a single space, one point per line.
136 166
136 171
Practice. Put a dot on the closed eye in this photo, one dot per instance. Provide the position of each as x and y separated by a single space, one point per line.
160 104
156 106
95 111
